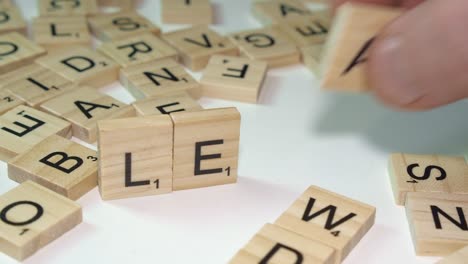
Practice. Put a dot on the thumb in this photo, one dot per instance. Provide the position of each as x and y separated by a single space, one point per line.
420 61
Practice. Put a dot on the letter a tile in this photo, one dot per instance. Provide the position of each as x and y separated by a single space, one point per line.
233 78
23 127
84 108
345 52
427 173
135 156
58 164
329 218
82 66
206 147
31 217
273 244
438 222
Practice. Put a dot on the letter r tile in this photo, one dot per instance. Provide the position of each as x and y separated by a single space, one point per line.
273 244
329 218
58 164
206 147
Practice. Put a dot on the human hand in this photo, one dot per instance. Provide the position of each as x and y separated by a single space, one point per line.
420 60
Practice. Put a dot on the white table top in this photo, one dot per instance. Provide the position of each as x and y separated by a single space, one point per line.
296 136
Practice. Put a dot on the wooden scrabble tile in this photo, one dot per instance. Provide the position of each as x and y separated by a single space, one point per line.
195 12
438 222
8 101
31 217
208 156
197 44
121 25
5 3
174 102
345 52
279 11
329 218
55 32
35 84
23 127
120 5
11 20
82 65
310 31
135 156
16 51
233 78
311 56
154 79
67 8
427 173
138 49
58 164
458 257
267 44
84 107
273 244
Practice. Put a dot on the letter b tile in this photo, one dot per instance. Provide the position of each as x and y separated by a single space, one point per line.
329 218
59 164
206 147
273 244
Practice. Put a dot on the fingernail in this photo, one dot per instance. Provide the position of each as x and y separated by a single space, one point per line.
392 74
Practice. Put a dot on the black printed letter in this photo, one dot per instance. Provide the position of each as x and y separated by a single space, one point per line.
88 63
128 173
277 248
199 157
63 157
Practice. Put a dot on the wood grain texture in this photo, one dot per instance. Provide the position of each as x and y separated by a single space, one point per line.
138 49
354 27
120 5
197 44
427 173
273 244
459 257
17 51
280 11
154 79
206 147
35 84
23 127
135 157
82 66
311 56
84 107
8 101
329 218
67 8
194 12
11 20
268 44
58 164
173 102
233 78
438 222
32 217
56 32
107 27
308 31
